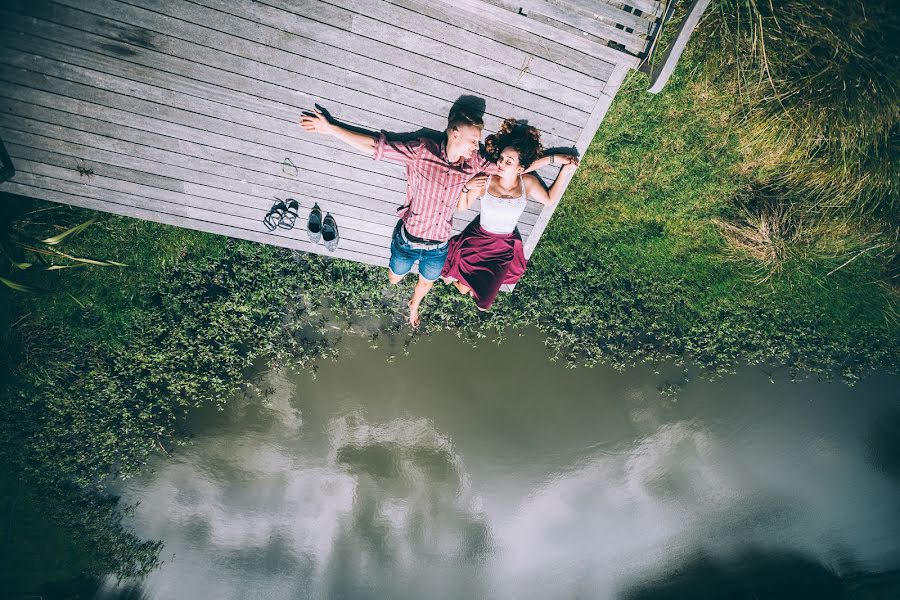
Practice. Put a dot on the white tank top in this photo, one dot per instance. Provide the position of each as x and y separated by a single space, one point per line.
501 215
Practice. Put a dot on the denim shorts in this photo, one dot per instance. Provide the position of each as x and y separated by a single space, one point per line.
404 255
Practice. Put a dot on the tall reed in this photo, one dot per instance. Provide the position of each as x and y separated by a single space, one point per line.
818 84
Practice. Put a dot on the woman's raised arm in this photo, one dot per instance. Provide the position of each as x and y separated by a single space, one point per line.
535 189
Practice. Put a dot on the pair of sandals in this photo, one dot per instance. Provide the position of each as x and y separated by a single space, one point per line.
284 215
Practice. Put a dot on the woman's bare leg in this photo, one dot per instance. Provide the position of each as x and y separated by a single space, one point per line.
463 289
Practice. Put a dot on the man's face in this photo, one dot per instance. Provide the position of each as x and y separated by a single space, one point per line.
464 140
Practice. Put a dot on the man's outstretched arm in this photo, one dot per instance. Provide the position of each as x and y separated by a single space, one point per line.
318 123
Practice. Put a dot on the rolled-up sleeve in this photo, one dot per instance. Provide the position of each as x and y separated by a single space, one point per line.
395 150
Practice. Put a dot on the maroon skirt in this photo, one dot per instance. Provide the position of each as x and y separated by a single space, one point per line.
484 261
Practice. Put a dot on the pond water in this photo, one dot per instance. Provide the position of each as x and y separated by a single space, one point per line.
460 472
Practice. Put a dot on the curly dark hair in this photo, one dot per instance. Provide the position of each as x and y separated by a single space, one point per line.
524 139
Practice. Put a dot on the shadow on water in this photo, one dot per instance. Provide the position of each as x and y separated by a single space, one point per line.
883 445
752 573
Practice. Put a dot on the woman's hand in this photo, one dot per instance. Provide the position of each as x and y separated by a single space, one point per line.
565 160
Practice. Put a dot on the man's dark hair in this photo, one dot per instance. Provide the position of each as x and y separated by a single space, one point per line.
461 115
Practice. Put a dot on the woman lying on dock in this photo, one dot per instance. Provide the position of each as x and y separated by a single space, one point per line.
488 253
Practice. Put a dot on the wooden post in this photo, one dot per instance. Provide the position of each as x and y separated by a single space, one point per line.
6 167
661 73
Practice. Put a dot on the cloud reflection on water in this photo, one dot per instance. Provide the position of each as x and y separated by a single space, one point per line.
332 503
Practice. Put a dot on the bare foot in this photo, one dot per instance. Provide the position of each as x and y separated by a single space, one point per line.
413 315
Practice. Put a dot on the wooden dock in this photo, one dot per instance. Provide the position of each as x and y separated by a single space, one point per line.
185 112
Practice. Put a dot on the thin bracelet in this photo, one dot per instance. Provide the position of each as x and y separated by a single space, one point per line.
465 190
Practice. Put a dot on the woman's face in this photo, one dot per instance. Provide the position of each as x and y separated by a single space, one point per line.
508 163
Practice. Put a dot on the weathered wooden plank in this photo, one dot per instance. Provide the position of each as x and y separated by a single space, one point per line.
28 185
610 13
603 103
173 73
111 181
214 165
317 80
461 72
215 186
237 199
663 70
176 123
121 200
501 15
313 156
546 60
601 24
331 185
305 147
264 63
228 81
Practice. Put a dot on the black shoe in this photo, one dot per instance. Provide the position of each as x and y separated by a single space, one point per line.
314 224
330 233
290 215
275 215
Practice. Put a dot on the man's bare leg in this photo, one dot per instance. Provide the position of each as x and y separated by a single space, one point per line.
422 288
394 279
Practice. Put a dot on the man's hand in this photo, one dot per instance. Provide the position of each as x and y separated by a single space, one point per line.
476 185
316 123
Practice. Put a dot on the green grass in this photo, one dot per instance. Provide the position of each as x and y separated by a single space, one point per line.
98 303
638 223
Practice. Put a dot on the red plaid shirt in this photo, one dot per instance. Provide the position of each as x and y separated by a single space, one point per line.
432 183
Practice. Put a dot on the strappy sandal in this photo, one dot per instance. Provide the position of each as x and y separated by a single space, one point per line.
290 215
274 216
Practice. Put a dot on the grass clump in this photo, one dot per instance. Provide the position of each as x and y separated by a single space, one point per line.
819 90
